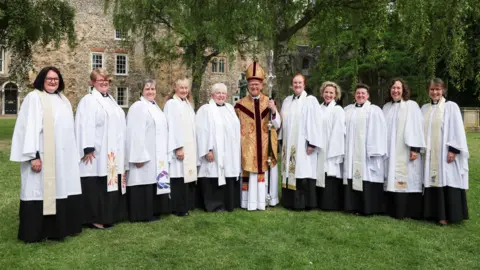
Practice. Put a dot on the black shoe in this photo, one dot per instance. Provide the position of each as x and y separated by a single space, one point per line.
182 214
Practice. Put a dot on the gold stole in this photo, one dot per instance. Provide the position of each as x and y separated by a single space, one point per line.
436 138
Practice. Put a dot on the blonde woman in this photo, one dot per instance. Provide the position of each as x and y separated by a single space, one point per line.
182 148
330 190
100 129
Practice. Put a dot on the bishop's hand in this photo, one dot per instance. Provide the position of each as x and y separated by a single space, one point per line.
271 105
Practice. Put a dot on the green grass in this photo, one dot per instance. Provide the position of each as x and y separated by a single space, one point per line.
273 239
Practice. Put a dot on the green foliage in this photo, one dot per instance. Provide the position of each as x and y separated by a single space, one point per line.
195 30
415 39
24 23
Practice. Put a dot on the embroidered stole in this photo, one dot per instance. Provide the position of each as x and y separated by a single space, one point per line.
401 149
289 157
189 148
113 120
359 154
322 152
48 163
435 138
161 176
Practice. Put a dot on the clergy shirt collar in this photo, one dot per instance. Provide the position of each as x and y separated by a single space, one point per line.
56 92
218 105
435 102
103 95
326 104
359 105
398 101
257 97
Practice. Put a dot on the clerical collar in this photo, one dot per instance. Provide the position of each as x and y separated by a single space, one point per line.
435 102
326 104
56 92
296 97
398 101
153 102
104 95
359 105
257 97
218 105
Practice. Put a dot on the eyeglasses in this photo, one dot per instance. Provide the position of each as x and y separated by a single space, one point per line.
52 79
102 81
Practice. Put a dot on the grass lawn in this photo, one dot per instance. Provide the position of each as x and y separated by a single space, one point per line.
274 239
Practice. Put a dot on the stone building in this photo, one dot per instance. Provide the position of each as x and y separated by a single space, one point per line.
99 44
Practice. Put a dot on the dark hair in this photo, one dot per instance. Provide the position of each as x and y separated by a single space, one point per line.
40 80
405 90
362 85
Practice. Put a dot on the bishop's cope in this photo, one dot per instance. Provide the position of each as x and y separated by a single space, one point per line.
255 111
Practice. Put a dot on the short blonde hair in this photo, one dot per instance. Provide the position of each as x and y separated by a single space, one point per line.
182 81
219 87
100 72
338 91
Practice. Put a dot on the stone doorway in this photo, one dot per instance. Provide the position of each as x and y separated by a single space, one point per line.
10 96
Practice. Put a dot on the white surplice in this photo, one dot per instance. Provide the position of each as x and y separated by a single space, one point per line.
454 174
403 175
28 140
218 129
375 143
147 141
176 110
302 125
97 118
333 149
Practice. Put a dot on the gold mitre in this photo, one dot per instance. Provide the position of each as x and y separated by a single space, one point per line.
255 71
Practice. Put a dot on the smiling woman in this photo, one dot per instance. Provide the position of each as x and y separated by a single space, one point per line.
50 198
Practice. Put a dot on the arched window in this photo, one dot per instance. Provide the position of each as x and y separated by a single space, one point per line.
214 65
221 66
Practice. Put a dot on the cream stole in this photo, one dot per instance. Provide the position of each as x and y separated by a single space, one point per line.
112 133
162 177
189 148
322 152
360 118
401 149
48 163
294 112
435 138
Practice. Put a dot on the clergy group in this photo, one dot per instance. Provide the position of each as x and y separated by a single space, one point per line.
103 167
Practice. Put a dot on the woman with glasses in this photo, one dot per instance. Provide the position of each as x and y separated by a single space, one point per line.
100 128
218 151
446 158
148 185
44 144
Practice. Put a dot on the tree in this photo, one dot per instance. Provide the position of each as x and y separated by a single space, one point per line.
414 39
195 30
25 23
